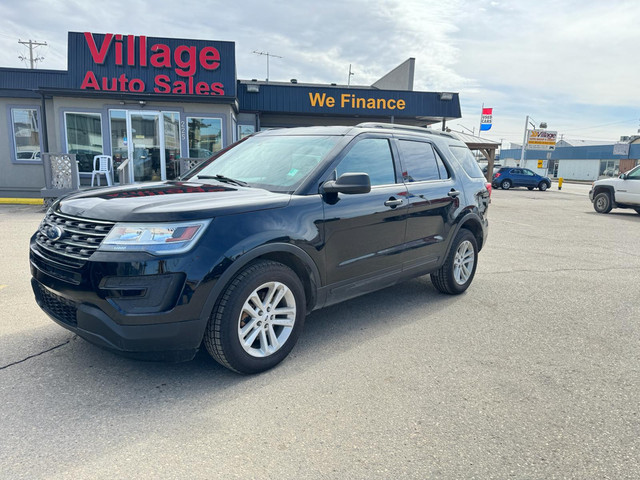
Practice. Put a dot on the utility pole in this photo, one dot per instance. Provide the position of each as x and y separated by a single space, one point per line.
267 54
32 44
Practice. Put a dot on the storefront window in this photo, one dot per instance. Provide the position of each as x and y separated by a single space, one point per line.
26 133
245 131
609 168
205 136
171 143
84 137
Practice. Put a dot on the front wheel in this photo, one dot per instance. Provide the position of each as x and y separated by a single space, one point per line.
506 184
543 186
257 319
459 268
602 202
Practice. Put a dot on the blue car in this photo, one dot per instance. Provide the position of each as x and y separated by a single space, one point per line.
508 177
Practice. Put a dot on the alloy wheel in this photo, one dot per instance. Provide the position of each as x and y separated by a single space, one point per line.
463 262
267 319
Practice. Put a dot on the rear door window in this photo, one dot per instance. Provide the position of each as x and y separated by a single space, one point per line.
419 162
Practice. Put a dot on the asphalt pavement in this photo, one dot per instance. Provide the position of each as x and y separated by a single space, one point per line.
533 373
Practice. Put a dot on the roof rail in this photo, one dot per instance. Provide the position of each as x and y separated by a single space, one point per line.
397 126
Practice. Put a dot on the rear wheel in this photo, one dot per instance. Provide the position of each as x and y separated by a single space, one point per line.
506 184
543 186
602 202
257 319
459 268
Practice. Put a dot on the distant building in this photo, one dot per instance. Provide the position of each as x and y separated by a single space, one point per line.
579 159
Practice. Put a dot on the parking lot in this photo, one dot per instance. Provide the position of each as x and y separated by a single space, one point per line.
532 373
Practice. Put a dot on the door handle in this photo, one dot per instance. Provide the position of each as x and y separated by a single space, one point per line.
393 202
453 193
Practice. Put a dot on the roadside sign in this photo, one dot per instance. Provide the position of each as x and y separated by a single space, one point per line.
621 148
540 162
541 140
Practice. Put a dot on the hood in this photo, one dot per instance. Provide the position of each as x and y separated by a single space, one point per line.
169 201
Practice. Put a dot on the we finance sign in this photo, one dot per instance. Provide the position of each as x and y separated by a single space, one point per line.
109 62
365 101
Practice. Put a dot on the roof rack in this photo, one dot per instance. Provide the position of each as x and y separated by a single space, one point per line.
397 126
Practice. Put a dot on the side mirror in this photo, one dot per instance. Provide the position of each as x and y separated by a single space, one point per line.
350 183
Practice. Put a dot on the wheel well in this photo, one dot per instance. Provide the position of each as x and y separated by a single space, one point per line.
476 229
300 269
603 188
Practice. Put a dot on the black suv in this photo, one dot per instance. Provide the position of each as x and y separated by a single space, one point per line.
238 251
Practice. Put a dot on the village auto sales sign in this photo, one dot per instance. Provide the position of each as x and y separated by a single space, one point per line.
139 64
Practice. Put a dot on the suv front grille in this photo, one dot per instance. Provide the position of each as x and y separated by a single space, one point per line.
80 238
60 308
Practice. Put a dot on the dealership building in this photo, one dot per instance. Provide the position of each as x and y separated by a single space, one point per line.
153 101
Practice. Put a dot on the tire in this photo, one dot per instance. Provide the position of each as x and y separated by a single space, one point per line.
602 202
505 185
530 188
459 268
243 333
543 186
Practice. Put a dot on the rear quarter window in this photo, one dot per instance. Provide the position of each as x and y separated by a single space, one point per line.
467 160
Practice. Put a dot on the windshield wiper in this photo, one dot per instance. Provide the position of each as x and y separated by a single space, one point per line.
222 178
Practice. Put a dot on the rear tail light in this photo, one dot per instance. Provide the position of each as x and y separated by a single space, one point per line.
496 175
489 188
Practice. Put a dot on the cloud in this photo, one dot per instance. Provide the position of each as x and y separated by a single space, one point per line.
571 63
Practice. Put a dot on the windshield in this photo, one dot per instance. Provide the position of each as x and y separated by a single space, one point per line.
278 163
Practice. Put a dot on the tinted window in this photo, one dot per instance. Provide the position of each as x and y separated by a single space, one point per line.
467 160
419 161
371 156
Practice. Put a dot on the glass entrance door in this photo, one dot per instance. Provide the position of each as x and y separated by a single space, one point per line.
145 146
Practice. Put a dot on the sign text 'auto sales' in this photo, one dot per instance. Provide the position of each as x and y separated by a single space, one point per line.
174 67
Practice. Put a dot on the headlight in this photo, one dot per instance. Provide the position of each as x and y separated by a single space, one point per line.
157 238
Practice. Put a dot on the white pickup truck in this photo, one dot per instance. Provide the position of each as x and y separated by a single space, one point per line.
620 192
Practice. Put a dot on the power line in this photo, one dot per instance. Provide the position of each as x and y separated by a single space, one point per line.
32 44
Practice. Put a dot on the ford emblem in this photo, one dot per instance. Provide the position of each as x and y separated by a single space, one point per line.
53 232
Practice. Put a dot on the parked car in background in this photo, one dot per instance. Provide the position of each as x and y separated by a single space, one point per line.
233 257
620 192
508 177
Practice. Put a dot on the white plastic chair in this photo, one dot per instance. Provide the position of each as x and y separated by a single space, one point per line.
102 165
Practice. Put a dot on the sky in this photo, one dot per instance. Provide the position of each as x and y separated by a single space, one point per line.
571 64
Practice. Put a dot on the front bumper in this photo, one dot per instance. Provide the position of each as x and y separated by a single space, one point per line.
174 341
591 195
121 307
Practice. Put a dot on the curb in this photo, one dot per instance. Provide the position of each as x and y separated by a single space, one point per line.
21 201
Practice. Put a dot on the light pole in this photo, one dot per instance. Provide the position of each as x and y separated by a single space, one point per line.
528 122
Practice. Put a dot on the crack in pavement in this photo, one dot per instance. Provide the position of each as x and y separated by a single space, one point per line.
35 355
557 270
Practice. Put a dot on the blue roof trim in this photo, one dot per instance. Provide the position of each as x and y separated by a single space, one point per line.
591 152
